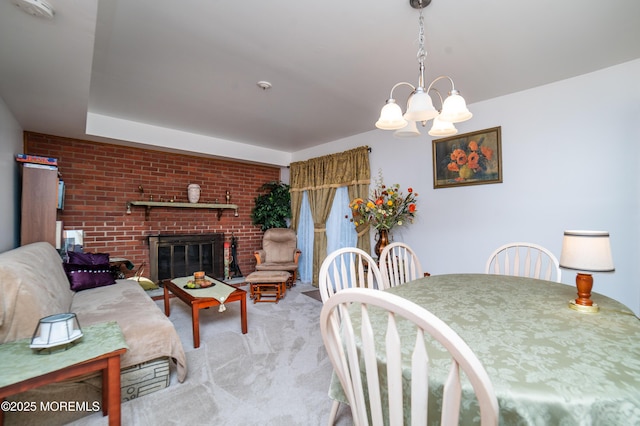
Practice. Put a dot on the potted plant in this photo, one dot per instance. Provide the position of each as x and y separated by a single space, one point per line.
273 207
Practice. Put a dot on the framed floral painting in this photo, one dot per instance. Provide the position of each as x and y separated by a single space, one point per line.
469 159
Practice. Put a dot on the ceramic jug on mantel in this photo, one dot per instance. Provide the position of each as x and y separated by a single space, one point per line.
193 192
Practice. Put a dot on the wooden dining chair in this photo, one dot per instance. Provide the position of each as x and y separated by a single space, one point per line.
356 352
524 260
347 267
399 264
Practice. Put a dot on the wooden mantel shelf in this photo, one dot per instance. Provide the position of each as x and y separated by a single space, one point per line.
150 204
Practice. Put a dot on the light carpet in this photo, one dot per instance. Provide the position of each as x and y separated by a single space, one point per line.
276 374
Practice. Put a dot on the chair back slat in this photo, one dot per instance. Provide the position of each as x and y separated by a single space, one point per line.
537 264
394 370
419 381
352 365
371 365
451 397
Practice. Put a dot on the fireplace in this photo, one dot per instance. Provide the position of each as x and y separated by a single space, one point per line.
174 256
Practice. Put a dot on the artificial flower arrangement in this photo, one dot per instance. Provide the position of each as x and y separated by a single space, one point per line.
385 208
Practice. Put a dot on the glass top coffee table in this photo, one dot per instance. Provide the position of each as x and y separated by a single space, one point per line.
191 298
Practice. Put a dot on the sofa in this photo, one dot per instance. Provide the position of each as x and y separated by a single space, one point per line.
34 284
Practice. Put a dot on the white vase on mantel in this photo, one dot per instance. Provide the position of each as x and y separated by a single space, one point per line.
193 193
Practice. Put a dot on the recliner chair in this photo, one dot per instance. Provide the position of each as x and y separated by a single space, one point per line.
279 252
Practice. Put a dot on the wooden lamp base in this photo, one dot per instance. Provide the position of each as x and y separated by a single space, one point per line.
584 283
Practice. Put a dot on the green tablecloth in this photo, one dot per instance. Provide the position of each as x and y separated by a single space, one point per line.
550 365
19 362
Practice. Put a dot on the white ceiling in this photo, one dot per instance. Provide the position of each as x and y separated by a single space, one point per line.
193 66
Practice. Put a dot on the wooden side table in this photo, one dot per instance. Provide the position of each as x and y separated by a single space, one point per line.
99 350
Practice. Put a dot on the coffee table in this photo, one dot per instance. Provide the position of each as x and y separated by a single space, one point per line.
197 303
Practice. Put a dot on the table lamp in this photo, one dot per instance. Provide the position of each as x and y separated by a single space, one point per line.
56 331
586 251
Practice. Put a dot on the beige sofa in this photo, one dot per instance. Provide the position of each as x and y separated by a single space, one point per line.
33 284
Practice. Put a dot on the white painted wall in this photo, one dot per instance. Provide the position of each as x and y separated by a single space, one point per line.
10 145
570 155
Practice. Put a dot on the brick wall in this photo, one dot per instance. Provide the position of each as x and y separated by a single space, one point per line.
100 179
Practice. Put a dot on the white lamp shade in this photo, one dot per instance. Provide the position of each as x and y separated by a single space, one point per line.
454 109
420 107
588 251
391 117
55 330
442 128
408 131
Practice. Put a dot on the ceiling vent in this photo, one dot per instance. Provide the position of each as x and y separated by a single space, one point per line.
39 8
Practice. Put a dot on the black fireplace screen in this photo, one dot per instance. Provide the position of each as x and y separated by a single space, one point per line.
174 256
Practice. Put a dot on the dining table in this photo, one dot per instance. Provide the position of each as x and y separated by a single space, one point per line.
549 364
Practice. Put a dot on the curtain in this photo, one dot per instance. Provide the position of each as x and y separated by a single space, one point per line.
340 231
305 241
320 177
362 231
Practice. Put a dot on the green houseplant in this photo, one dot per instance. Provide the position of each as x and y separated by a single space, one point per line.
273 207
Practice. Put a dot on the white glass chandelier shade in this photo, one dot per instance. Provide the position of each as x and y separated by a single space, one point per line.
442 128
454 108
420 107
391 117
408 131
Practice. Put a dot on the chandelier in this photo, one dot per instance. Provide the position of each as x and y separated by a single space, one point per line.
420 107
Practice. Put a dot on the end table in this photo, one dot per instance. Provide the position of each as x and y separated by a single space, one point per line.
99 350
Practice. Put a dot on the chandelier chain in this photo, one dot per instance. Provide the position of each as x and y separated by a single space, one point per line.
422 53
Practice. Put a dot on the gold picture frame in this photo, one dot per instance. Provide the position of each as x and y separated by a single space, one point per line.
469 159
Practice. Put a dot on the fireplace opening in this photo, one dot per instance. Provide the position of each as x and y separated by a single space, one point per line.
174 255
